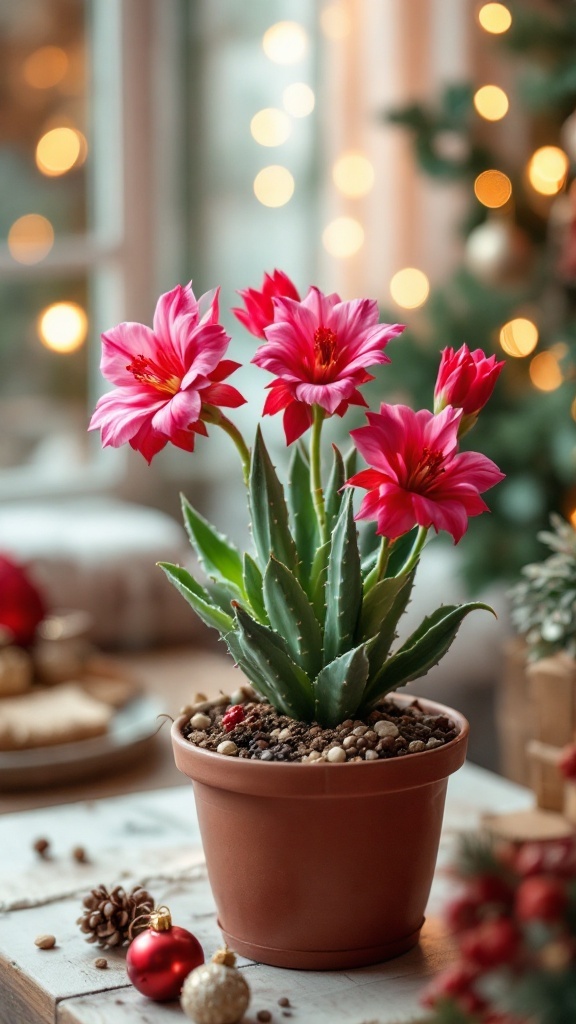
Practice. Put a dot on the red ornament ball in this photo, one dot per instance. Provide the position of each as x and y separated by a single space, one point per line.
567 763
233 717
160 958
540 898
490 944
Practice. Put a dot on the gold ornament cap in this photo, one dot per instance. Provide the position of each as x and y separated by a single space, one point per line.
224 956
160 920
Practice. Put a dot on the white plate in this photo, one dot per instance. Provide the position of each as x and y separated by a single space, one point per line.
132 731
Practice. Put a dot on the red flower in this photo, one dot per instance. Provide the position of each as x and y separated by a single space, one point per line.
165 376
319 350
259 312
22 606
418 477
465 381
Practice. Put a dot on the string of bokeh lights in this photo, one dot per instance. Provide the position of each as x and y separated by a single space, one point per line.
62 148
61 326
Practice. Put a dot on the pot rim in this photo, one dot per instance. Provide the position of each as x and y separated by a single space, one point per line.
316 779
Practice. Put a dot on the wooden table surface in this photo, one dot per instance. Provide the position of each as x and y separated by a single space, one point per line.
152 837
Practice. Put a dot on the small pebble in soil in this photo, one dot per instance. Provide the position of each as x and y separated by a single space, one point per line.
45 941
101 962
254 729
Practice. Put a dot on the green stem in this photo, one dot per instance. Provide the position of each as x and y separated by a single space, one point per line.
315 472
416 549
211 414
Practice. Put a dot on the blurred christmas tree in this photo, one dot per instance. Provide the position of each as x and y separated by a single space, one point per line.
516 290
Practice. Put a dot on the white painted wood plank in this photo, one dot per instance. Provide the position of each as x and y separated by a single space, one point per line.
162 827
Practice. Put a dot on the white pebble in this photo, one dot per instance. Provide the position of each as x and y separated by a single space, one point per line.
360 730
336 755
200 721
384 728
370 755
284 734
314 755
227 747
350 741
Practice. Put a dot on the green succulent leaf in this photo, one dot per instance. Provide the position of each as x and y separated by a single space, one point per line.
422 650
219 558
198 598
333 487
340 685
292 616
350 463
253 588
343 585
303 514
379 647
378 604
287 686
269 512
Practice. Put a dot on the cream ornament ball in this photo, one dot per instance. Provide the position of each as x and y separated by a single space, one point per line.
216 993
498 252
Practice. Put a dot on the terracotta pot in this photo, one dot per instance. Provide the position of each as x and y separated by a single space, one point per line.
321 866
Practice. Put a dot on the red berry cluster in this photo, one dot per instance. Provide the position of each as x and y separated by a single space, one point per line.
233 717
513 918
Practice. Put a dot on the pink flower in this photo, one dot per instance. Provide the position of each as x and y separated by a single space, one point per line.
259 312
465 381
165 375
417 475
22 606
319 350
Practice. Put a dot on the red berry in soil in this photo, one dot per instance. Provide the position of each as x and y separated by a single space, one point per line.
491 943
233 717
567 762
540 898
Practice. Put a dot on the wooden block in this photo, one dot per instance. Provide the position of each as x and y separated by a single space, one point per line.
545 778
526 826
552 685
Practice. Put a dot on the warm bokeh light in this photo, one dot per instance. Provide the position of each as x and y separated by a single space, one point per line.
573 409
495 18
547 170
409 288
59 150
491 102
335 21
274 185
30 238
343 236
493 188
545 372
270 127
572 518
298 99
45 67
519 337
285 42
353 174
62 327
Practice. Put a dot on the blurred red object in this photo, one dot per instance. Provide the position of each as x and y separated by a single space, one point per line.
22 606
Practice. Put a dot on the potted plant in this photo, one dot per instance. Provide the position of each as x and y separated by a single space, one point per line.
320 800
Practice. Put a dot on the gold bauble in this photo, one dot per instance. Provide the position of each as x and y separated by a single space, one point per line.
216 993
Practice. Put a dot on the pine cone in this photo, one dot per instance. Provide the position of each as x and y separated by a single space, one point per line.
109 915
